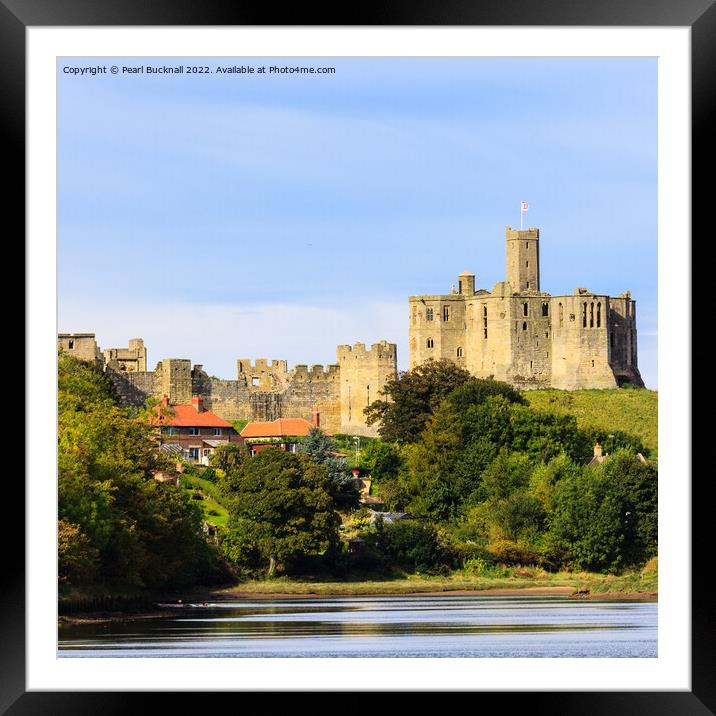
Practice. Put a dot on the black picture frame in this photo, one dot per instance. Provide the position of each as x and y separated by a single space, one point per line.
699 15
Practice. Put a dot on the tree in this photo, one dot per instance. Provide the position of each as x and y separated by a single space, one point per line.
322 450
228 457
411 397
282 507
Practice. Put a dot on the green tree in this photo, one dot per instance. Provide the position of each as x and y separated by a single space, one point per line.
411 397
228 457
322 450
282 507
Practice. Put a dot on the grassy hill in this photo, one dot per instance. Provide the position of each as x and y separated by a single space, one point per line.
629 410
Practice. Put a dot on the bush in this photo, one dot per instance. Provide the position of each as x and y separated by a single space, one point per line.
508 552
410 545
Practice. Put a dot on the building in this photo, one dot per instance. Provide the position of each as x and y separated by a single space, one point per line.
283 433
519 334
192 432
263 390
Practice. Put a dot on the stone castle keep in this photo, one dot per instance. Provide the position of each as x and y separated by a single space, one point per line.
514 333
519 334
263 389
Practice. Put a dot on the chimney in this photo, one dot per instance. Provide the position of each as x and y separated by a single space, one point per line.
316 418
198 403
597 450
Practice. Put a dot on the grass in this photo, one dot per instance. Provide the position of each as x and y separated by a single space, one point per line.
633 411
644 582
210 503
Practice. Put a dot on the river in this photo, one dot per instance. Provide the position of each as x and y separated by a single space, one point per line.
405 626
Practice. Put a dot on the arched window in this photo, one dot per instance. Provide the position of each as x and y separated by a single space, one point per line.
524 326
525 309
429 314
561 315
446 313
584 315
599 315
429 343
545 309
459 352
591 315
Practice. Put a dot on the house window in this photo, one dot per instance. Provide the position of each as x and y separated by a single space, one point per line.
171 431
429 343
217 432
446 313
459 352
194 453
429 314
205 452
193 431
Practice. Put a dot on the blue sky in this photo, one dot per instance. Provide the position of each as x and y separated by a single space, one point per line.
225 216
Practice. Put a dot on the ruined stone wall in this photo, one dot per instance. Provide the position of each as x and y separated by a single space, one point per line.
318 388
622 339
363 374
133 388
130 359
82 346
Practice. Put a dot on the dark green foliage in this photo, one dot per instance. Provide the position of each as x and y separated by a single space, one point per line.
122 527
411 397
228 457
321 449
606 517
410 545
381 460
282 507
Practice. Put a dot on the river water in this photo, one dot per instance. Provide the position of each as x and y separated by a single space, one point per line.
413 626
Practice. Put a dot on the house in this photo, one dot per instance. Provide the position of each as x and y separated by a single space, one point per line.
282 433
192 432
598 458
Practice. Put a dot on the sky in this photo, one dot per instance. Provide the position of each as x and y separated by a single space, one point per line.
224 215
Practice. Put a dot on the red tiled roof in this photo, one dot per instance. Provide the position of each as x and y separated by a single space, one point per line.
294 427
186 416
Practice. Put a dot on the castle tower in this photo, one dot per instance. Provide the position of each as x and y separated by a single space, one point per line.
363 374
523 259
466 283
175 380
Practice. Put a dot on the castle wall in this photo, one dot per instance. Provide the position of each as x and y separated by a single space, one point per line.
622 339
580 344
363 374
133 388
82 346
130 359
531 365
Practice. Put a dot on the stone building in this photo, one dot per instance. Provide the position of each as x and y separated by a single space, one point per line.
82 346
263 390
519 334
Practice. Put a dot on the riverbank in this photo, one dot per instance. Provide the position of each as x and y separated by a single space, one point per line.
633 586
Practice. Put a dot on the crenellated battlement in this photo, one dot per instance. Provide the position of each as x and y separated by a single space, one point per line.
378 351
317 372
249 365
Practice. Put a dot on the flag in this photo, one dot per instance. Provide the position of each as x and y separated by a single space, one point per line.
525 206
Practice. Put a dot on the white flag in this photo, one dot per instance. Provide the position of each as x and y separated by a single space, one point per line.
525 206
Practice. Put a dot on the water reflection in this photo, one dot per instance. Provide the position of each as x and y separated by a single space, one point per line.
378 627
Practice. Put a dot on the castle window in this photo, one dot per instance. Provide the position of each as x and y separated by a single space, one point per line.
545 309
524 326
599 315
530 365
561 315
527 244
429 343
527 264
592 364
255 380
485 332
528 284
459 286
367 392
459 352
71 344
591 315
525 309
584 315
484 310
446 313
429 314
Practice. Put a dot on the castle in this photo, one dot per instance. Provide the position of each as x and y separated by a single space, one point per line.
519 334
263 390
515 333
